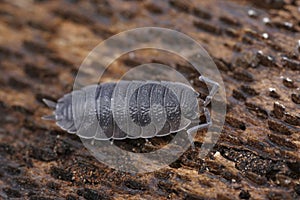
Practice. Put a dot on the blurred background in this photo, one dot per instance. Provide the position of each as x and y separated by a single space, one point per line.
256 46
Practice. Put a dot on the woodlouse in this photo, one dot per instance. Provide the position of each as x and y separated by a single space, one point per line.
132 109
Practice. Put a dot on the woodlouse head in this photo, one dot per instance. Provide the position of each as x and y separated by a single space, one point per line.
189 106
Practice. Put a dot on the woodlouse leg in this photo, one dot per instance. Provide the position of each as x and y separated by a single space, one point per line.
214 88
195 129
207 116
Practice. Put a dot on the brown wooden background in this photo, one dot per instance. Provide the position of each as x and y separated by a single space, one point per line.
256 47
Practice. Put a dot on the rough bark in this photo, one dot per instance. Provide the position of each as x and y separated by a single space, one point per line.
256 47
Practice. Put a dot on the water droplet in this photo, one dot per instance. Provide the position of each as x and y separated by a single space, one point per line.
288 25
265 36
266 20
252 13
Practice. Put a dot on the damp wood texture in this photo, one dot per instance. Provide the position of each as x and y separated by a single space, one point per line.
256 46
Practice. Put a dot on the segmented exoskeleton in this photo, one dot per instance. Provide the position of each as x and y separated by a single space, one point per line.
131 109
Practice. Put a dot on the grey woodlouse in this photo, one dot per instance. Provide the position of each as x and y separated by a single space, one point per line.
135 106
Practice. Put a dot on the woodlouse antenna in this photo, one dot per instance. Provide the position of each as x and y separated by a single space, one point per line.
49 103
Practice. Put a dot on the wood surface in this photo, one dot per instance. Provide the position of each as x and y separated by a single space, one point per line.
256 46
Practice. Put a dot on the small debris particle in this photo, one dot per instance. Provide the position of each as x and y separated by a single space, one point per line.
273 93
278 110
287 82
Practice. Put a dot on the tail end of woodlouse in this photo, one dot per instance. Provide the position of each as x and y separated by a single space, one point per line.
49 103
48 117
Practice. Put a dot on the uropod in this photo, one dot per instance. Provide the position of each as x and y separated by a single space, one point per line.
132 109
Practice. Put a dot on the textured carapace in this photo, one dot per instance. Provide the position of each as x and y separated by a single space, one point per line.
130 109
